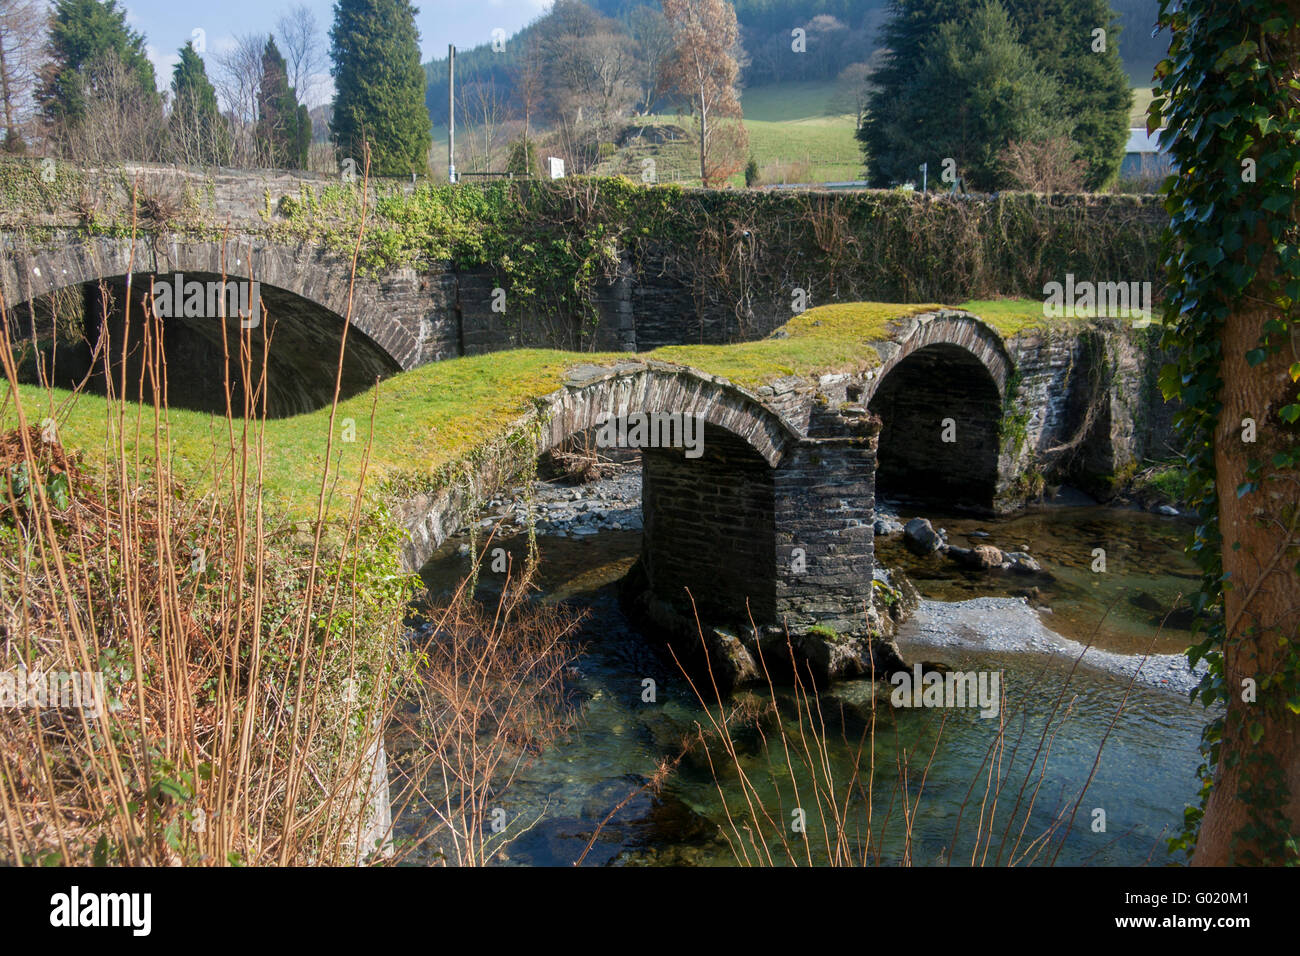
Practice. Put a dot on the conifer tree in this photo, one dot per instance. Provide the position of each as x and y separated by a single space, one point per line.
199 132
379 86
85 34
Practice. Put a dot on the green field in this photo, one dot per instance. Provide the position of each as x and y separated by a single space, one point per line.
797 134
1141 100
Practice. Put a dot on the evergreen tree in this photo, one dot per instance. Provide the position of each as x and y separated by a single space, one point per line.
886 129
910 115
379 86
84 34
975 90
199 132
283 126
301 143
1094 87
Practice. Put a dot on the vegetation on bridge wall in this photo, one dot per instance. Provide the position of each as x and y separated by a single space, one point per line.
741 254
553 241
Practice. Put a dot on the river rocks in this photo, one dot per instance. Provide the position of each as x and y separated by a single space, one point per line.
726 652
611 504
920 537
1021 563
982 557
1180 616
887 525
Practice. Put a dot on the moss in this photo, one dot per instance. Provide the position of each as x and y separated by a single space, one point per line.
424 426
428 419
1167 481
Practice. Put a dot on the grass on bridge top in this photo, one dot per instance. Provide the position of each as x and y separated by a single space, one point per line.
435 415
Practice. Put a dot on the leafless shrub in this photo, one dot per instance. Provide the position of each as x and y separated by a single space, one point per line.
120 120
1043 165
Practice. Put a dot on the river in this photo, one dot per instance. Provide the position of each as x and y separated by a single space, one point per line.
968 790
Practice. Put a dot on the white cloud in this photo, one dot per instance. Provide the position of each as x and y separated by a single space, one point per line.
163 64
222 44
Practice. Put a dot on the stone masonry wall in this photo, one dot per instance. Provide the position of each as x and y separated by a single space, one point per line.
709 528
825 505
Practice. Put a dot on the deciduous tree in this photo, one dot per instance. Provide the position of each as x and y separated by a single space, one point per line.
703 69
22 31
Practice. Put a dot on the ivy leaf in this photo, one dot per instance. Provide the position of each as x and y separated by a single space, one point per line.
1294 371
1277 202
1290 413
1235 55
1256 356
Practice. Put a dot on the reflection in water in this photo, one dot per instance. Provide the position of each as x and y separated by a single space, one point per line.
1142 782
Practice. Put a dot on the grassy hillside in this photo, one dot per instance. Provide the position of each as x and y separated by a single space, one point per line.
1141 101
795 133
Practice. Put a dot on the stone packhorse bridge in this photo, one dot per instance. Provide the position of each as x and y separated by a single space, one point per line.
771 528
774 521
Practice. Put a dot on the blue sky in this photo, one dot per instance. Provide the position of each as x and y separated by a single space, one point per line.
167 24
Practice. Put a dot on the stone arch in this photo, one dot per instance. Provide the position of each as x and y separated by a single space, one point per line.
959 329
940 396
594 392
588 393
305 292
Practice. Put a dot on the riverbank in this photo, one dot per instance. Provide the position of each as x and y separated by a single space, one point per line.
1000 625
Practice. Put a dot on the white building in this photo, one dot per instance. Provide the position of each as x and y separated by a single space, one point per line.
1143 156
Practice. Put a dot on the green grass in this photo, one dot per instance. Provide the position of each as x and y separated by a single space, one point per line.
828 148
1141 100
788 123
435 415
794 124
803 103
1008 316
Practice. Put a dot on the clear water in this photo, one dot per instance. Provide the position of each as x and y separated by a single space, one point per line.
1143 779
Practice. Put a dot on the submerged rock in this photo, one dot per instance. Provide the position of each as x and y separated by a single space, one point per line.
1021 563
920 537
982 557
887 525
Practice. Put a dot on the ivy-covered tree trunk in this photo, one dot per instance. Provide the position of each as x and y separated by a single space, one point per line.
1261 602
1228 93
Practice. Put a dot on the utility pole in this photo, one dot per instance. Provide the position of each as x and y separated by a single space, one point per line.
451 113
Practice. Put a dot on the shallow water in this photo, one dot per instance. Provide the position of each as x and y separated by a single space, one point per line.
1143 779
1120 607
